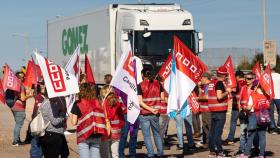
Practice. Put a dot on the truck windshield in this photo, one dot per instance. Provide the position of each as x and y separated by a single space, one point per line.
160 43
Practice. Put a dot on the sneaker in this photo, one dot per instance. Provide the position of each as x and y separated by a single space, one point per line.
179 148
277 130
15 144
222 155
192 148
261 156
274 131
212 154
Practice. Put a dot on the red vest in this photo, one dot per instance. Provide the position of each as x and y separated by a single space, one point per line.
244 96
151 95
214 104
19 105
203 104
260 101
92 120
115 115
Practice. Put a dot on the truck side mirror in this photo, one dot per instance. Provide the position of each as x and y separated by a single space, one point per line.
200 42
125 36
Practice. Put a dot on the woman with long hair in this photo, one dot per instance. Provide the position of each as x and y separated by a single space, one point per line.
89 117
114 120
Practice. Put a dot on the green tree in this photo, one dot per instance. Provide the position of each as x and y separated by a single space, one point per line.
244 64
259 57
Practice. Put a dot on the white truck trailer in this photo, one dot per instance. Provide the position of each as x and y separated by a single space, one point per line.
101 33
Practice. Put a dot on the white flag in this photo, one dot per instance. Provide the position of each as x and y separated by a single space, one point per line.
73 67
139 68
124 80
58 81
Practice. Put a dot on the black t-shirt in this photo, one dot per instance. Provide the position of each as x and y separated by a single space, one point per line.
220 86
140 92
76 110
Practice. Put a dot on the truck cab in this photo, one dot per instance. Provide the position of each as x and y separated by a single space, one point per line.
151 27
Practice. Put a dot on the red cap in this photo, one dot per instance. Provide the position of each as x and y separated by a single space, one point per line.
222 70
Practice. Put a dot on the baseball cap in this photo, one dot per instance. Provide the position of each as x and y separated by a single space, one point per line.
222 70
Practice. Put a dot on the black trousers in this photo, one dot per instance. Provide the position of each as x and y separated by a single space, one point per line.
54 145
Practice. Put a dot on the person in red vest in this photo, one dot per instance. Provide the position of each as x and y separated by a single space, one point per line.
114 116
235 97
218 105
245 93
18 109
89 117
204 109
258 107
150 94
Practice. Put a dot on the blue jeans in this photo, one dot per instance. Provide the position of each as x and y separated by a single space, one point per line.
260 131
35 150
147 122
179 126
243 137
275 102
90 148
218 120
19 119
233 123
132 140
163 125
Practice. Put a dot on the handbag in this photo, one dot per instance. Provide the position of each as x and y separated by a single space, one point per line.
252 122
37 125
263 117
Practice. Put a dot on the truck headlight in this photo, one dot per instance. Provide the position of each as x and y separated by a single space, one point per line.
144 23
187 22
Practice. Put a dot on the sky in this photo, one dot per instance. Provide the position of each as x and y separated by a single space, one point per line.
224 23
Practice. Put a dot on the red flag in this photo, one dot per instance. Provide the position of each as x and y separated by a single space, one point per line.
2 93
88 71
186 62
193 103
266 82
231 77
257 70
10 81
31 75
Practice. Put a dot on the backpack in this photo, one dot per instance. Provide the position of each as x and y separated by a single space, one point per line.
263 117
10 98
37 125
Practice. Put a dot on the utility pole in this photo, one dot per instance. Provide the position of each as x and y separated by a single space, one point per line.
264 19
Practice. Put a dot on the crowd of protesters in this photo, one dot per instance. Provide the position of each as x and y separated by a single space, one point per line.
102 128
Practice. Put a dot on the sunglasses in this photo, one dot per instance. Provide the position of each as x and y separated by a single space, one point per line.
249 78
